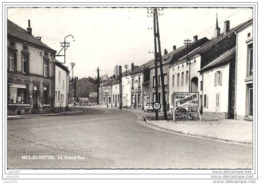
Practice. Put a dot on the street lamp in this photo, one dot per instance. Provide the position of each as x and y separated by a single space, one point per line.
187 42
65 45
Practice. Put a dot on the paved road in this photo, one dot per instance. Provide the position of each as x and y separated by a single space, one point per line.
106 138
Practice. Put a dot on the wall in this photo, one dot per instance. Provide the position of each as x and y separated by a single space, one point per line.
137 90
241 69
126 90
115 94
60 88
210 90
183 67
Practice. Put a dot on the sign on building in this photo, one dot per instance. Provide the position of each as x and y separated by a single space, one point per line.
185 106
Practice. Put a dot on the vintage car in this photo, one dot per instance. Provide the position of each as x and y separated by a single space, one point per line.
149 107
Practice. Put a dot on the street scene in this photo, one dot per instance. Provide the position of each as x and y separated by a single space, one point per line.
98 138
149 88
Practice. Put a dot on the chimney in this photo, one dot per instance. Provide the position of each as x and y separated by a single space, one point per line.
195 38
165 51
226 26
29 29
217 29
132 66
174 47
38 37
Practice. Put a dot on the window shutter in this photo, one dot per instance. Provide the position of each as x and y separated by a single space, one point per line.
220 78
215 79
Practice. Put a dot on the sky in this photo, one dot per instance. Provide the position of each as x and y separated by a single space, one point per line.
106 37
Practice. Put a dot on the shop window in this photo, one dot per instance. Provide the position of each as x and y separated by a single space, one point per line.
18 94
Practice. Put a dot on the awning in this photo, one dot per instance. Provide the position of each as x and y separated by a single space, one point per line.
23 86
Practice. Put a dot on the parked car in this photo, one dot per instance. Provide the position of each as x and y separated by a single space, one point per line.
149 107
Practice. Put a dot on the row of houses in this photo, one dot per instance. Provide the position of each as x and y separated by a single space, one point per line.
37 82
220 70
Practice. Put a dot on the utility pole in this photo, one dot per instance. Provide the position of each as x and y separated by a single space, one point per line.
75 88
98 84
187 42
65 45
120 87
158 58
155 58
161 70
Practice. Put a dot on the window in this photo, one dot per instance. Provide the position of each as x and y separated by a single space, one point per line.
218 78
250 60
173 81
187 77
201 85
154 97
139 98
178 79
17 94
59 76
45 68
250 99
58 97
118 98
45 95
205 101
132 83
165 79
182 78
109 99
63 84
11 61
154 81
217 100
139 80
25 64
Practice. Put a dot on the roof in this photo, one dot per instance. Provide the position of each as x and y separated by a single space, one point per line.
110 82
16 31
173 54
62 66
221 60
208 45
247 24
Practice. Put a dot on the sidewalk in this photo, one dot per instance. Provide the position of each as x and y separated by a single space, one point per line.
25 116
227 130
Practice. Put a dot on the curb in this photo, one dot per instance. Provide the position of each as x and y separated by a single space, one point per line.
62 113
195 135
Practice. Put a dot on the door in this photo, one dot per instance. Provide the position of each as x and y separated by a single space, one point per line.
35 97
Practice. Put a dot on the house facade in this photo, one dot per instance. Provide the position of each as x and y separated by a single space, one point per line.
61 86
126 89
115 93
245 71
30 72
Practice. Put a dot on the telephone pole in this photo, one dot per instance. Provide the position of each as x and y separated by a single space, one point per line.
158 58
98 84
120 87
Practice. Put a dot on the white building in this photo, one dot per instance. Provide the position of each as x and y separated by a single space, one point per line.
61 86
218 87
115 94
126 89
244 69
